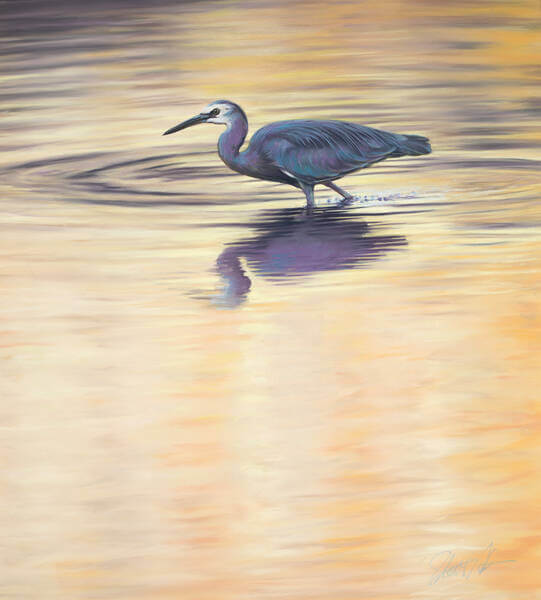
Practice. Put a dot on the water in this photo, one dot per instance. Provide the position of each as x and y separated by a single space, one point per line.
209 393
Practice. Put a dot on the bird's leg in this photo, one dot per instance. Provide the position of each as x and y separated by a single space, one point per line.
346 195
308 190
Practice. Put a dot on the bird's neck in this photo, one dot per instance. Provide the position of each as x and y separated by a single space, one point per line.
231 140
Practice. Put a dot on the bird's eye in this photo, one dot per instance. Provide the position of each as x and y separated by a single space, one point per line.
214 112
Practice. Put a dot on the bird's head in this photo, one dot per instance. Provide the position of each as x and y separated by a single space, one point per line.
221 112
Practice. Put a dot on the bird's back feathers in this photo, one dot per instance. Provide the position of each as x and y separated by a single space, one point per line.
315 151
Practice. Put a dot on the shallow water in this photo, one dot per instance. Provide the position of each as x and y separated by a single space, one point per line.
208 392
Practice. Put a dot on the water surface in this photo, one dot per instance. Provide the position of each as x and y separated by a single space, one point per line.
208 393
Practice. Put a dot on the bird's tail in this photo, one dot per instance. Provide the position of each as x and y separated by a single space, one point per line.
415 145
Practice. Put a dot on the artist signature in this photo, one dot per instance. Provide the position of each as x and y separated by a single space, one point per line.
445 564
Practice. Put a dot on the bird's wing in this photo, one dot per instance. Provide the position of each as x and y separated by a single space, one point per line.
315 151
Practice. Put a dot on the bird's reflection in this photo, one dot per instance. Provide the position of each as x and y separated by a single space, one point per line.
293 243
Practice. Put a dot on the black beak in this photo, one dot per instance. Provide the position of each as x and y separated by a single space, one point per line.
193 121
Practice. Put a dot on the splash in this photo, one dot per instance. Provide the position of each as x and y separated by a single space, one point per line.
376 199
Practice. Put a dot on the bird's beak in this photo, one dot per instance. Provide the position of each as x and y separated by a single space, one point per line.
201 118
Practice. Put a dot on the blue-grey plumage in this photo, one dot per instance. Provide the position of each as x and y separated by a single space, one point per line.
303 153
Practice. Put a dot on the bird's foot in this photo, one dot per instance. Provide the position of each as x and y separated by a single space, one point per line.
308 210
346 201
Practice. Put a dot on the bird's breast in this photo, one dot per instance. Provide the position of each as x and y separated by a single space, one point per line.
257 166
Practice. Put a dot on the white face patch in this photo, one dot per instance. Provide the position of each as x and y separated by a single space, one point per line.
224 116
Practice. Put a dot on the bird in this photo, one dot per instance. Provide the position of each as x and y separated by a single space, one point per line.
302 152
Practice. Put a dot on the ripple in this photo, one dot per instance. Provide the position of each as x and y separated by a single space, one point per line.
119 179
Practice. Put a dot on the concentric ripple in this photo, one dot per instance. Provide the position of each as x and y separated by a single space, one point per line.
121 179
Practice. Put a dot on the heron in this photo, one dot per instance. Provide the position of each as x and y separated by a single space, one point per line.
302 152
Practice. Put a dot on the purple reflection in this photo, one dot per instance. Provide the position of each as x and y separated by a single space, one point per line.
292 244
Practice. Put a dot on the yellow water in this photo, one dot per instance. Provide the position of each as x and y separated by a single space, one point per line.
208 393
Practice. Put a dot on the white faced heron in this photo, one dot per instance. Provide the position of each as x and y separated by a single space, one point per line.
302 153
